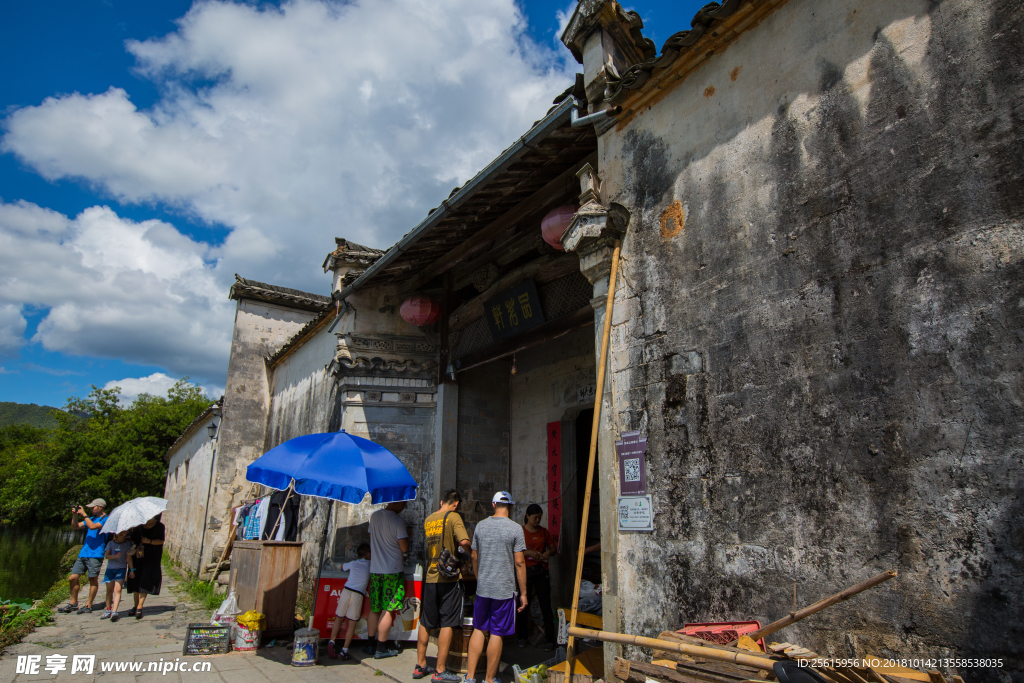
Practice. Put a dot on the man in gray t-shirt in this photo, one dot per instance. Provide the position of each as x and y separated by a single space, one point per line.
498 562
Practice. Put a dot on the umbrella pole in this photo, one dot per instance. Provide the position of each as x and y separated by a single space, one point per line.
280 513
320 566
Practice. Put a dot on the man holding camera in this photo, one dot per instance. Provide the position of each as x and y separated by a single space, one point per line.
90 557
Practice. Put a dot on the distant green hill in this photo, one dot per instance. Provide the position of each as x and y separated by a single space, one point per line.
26 413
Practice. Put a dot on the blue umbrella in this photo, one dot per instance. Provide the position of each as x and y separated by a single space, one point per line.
338 466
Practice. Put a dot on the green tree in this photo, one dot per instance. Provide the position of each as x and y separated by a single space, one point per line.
99 448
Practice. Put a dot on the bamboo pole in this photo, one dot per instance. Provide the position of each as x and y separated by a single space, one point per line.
570 647
763 662
280 513
797 615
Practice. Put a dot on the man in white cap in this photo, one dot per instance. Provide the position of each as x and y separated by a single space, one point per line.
499 563
90 557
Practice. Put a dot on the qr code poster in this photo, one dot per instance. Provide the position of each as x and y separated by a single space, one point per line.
631 469
632 449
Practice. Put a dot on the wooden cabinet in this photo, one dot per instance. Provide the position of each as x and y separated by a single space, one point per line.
265 578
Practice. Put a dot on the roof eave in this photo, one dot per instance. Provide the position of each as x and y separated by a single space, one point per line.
554 120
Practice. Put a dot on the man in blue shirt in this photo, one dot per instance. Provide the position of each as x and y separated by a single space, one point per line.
90 558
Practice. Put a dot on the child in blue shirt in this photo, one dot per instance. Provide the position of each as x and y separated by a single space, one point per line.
118 555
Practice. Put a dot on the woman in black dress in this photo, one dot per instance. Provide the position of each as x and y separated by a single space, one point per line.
147 576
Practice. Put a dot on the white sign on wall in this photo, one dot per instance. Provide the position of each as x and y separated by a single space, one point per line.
636 513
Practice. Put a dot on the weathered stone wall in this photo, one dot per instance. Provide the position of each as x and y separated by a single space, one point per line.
186 490
304 401
260 330
820 326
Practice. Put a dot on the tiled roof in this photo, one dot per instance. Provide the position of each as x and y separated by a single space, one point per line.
302 335
351 253
292 298
193 426
678 44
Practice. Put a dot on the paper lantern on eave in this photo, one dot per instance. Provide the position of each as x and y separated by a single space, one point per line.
420 310
555 223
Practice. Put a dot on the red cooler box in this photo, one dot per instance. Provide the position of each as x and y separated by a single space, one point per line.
332 580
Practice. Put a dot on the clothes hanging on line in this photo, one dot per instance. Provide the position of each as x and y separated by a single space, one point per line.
287 529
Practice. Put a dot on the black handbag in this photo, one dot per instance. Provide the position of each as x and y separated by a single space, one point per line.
448 565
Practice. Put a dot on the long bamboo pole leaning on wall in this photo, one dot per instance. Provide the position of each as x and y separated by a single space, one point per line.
570 648
797 615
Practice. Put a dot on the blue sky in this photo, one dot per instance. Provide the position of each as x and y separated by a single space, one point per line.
150 150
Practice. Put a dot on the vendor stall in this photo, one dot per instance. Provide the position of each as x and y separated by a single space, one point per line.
332 580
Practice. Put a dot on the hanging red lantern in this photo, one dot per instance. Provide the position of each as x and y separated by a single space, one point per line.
420 310
555 223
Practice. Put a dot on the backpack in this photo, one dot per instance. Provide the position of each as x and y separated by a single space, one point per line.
448 565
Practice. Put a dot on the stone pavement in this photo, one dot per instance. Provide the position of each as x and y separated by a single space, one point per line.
159 636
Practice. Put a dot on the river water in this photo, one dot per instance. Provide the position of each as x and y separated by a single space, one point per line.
30 559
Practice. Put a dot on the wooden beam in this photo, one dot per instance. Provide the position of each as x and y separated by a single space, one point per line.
538 335
543 196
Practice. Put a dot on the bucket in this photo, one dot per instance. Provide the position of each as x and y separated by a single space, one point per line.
246 639
306 649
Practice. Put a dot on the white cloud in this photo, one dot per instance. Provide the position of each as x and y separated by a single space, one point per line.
12 328
292 125
5 371
156 384
142 292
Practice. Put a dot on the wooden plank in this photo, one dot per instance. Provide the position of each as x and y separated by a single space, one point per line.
543 196
936 676
901 671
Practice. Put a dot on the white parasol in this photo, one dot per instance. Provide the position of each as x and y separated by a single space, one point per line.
135 512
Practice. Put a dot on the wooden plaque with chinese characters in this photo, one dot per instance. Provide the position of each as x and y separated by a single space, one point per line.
513 311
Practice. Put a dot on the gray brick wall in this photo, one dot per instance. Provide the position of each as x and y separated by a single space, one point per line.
483 437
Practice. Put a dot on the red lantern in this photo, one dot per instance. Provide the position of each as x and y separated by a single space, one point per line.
420 310
555 223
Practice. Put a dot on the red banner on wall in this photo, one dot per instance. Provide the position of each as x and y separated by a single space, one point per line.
554 479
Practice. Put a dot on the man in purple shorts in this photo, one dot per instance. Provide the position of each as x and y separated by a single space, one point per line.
498 561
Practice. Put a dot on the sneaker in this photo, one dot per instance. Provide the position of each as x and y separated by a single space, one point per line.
344 656
85 610
68 608
384 654
445 677
115 616
132 611
369 648
330 650
422 672
522 642
548 647
106 614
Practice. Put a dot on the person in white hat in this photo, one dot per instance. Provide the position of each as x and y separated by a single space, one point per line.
499 564
90 557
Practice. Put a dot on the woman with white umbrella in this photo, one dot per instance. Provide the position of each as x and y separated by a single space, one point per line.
142 516
149 549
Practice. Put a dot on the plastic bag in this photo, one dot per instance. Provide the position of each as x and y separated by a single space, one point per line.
590 598
227 612
253 620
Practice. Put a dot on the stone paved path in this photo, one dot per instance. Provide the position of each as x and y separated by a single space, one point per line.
160 634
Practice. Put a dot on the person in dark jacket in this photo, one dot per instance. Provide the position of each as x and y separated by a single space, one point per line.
147 575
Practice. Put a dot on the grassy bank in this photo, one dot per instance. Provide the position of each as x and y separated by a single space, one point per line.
200 592
16 622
